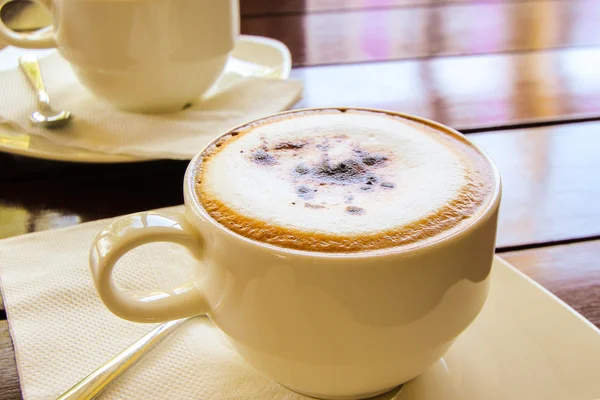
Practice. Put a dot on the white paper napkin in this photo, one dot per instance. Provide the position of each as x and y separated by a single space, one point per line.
62 331
100 127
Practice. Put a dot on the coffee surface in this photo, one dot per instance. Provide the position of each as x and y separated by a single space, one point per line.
343 181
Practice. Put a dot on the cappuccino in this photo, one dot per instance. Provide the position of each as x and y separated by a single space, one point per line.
343 181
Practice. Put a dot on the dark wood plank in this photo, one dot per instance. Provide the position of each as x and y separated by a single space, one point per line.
457 29
9 379
551 183
54 195
572 272
466 92
275 7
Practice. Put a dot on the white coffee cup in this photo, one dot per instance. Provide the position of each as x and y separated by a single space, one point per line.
140 55
329 325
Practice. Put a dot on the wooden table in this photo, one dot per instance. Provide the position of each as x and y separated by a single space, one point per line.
520 77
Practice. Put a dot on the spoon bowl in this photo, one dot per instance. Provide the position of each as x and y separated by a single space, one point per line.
45 116
50 120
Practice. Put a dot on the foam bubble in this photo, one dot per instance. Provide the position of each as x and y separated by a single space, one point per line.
342 181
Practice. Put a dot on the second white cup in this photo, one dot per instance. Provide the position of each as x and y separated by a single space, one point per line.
140 55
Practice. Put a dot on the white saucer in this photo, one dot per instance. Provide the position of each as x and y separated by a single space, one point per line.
252 56
525 345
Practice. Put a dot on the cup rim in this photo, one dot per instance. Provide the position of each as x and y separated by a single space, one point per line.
191 198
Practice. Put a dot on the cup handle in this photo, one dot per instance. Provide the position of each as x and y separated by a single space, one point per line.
127 233
43 39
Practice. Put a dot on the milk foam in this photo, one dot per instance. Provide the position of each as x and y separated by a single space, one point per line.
366 179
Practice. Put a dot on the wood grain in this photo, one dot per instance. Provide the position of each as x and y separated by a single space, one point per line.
53 195
9 379
466 92
414 32
551 183
269 7
572 272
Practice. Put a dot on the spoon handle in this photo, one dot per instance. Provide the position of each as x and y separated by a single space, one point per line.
29 65
95 383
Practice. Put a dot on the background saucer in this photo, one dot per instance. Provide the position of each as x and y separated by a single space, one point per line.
253 56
